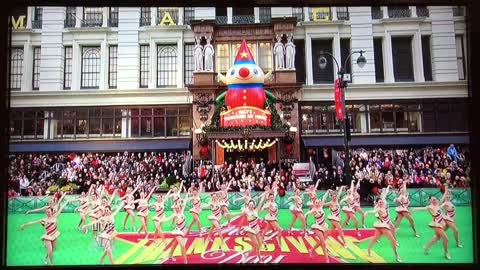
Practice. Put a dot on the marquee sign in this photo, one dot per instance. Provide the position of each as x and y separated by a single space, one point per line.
245 97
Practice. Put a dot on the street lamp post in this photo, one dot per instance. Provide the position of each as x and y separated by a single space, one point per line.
361 61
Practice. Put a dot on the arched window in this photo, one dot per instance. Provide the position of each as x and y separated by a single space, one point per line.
16 68
167 65
91 58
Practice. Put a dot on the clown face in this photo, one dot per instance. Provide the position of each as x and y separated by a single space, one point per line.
245 73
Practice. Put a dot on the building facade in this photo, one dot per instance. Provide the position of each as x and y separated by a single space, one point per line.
123 78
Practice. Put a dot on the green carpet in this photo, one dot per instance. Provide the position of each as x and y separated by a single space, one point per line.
24 248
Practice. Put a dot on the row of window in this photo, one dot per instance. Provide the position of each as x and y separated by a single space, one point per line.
100 122
167 62
377 117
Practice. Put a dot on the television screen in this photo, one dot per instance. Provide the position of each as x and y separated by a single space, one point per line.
203 135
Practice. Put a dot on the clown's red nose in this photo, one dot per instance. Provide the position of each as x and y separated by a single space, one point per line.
244 72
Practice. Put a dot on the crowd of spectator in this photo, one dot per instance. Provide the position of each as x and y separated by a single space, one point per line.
33 174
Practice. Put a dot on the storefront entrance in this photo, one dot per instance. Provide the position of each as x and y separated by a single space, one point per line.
246 156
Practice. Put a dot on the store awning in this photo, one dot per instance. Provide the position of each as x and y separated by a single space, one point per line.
100 146
320 141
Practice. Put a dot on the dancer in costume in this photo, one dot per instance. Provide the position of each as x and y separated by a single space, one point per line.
311 193
403 203
252 230
51 233
178 217
334 216
356 205
159 207
83 207
243 217
449 216
143 210
348 209
224 200
272 217
195 210
320 227
215 206
175 194
296 210
129 206
437 224
53 203
107 237
382 227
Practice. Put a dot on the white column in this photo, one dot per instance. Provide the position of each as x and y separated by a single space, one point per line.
29 18
125 124
363 122
154 15
52 52
180 16
103 84
53 126
79 17
417 57
256 14
308 59
385 11
362 39
128 65
105 17
413 10
180 63
388 58
336 53
229 15
152 80
46 126
305 14
444 56
27 67
334 13
76 65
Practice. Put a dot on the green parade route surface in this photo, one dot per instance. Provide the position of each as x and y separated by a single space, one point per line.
24 248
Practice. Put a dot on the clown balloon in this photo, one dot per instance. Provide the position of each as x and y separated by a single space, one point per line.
245 97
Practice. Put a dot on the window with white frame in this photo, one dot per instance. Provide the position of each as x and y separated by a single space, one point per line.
16 68
70 17
223 57
92 16
189 64
145 16
460 57
91 58
67 68
166 65
36 68
112 66
265 53
144 65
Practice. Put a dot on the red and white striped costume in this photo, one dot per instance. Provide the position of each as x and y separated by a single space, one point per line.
253 222
297 205
404 203
51 232
350 204
272 211
334 212
128 202
320 224
216 212
159 212
143 208
449 212
180 224
437 218
196 205
108 234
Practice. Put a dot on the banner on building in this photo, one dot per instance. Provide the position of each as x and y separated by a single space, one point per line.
339 100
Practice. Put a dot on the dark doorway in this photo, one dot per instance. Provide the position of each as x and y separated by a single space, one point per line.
246 156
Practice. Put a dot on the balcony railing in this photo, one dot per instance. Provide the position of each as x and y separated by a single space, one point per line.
458 11
377 13
221 19
93 22
343 15
144 21
422 12
399 12
70 22
243 19
37 24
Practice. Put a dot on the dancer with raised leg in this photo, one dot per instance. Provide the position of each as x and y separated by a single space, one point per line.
334 216
320 227
297 212
129 206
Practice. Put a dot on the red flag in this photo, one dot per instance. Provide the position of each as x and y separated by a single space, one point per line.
338 100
